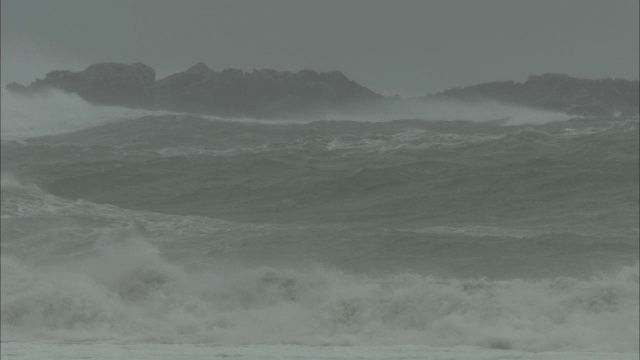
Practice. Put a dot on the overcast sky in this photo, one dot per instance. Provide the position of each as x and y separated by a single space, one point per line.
393 47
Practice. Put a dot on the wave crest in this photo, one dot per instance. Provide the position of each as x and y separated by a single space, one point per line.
131 294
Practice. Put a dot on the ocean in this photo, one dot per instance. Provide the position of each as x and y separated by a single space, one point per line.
138 234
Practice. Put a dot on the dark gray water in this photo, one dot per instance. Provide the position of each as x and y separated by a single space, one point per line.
178 228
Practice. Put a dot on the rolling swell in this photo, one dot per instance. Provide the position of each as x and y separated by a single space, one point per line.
180 229
395 172
75 270
44 229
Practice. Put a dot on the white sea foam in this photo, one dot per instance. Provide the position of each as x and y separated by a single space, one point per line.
124 290
413 139
112 283
408 139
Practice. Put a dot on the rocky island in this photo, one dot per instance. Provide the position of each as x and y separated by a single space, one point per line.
201 90
555 92
271 94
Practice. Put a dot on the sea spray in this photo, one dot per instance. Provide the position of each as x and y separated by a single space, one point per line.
75 270
54 111
126 292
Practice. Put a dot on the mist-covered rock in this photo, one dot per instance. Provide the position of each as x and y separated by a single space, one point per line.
103 84
229 93
271 94
555 92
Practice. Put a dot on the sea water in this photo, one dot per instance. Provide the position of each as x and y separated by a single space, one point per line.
168 235
107 351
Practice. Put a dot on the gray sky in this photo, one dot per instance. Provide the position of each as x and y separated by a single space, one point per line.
393 47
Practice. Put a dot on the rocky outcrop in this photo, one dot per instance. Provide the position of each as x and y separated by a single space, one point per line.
260 93
273 94
556 92
231 92
104 84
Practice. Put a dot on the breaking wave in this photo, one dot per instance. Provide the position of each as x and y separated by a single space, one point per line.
54 112
108 279
126 292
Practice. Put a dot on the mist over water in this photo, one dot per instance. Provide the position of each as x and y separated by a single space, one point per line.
138 226
451 110
53 112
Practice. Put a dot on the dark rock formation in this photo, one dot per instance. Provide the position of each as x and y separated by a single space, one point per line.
231 92
261 93
272 94
556 92
104 84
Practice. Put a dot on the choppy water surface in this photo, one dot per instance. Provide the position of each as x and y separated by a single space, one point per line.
179 229
108 351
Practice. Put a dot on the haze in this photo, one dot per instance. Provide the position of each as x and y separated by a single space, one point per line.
392 47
